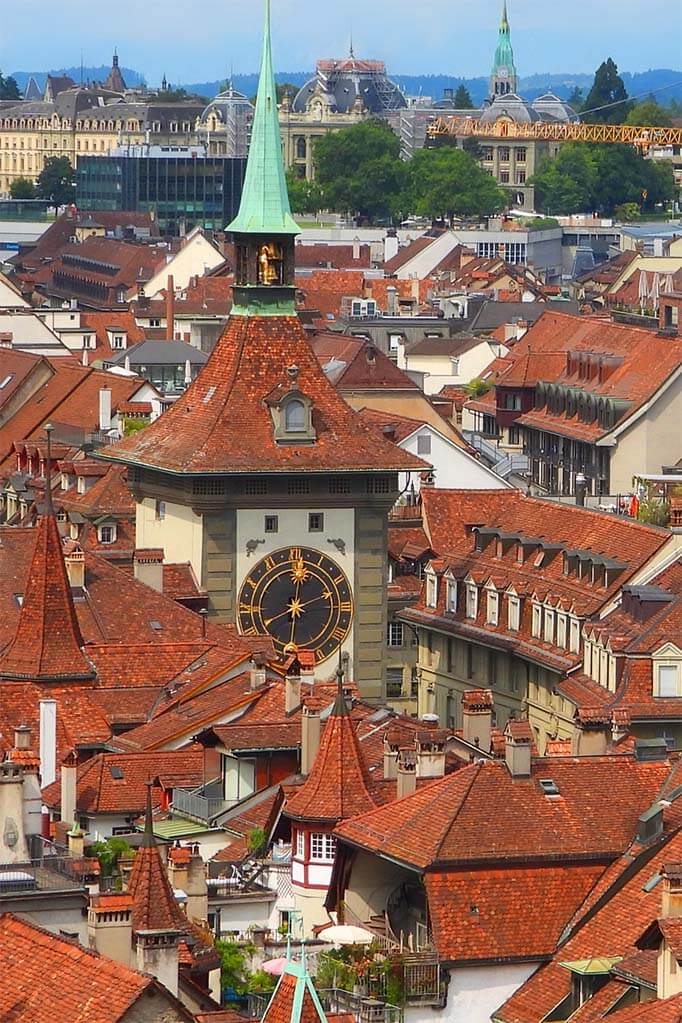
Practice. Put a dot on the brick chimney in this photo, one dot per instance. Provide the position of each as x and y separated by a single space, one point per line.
518 740
406 773
310 738
477 718
110 927
590 737
148 566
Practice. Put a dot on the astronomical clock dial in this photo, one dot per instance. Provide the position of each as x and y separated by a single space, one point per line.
300 598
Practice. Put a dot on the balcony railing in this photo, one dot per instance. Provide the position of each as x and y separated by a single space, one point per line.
201 804
51 873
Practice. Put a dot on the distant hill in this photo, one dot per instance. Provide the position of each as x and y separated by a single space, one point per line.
641 83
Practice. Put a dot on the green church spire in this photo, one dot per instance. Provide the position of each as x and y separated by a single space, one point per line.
264 207
503 79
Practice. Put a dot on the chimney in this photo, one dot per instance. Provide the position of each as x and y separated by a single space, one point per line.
620 724
292 693
74 560
391 752
110 926
391 300
48 741
671 895
148 566
406 773
431 753
196 887
13 844
310 738
517 747
477 718
85 357
170 309
257 675
390 244
76 840
69 773
356 248
590 737
104 408
580 489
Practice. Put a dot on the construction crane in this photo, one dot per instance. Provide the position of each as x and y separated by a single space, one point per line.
644 136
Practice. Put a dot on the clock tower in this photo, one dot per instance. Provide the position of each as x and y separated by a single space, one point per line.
260 475
503 79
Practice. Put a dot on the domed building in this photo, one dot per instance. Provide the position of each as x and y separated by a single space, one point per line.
225 125
341 93
551 108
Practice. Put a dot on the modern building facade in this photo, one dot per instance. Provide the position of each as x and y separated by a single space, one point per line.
181 185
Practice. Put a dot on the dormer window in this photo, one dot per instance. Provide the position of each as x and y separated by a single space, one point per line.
536 625
513 613
493 608
574 638
65 481
80 485
561 630
106 534
431 589
292 413
295 416
549 625
451 595
667 680
471 600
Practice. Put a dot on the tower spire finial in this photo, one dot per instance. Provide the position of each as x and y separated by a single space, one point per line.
49 507
148 837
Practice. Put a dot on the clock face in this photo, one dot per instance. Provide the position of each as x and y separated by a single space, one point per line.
502 72
300 598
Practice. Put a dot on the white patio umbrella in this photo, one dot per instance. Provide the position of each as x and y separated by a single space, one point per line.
346 934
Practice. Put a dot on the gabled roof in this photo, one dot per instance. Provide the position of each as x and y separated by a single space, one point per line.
294 1000
44 974
221 424
352 363
338 785
47 644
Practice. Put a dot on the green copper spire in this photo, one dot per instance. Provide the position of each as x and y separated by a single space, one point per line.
264 207
503 78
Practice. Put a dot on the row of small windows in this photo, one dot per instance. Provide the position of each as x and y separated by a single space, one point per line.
569 401
322 847
315 523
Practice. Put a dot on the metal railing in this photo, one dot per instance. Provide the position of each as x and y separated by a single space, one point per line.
193 803
49 873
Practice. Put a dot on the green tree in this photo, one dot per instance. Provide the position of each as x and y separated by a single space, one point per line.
576 98
56 181
359 169
607 101
233 973
649 112
8 87
447 182
305 196
472 146
109 853
565 184
22 188
476 388
463 100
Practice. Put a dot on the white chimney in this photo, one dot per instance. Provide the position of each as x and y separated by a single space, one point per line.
391 302
74 562
517 748
406 773
48 741
69 772
85 358
310 738
390 247
257 674
104 409
148 567
356 247
292 693
188 372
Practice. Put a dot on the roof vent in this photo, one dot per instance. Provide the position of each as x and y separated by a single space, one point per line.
651 749
157 626
549 786
650 823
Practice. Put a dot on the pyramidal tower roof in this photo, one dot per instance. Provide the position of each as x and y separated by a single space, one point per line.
338 785
264 207
47 645
154 905
295 999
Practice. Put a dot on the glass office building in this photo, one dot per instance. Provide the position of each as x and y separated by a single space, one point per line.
180 184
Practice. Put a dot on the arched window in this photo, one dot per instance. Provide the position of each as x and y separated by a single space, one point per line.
294 416
301 148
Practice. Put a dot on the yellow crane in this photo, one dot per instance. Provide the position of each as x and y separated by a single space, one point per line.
644 136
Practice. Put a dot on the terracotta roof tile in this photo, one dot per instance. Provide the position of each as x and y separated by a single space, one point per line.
203 431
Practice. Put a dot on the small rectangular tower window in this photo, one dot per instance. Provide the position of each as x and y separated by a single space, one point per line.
271 523
315 522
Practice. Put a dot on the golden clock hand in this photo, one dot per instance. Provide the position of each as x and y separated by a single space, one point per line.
294 603
322 596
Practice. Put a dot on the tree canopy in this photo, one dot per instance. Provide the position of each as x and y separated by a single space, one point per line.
649 112
607 101
8 87
56 181
463 100
447 182
22 188
304 196
583 177
359 169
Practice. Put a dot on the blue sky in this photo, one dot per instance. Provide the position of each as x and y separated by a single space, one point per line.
201 41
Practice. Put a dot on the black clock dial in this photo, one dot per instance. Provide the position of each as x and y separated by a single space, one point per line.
300 598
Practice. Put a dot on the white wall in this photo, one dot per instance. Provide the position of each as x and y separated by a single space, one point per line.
475 992
196 257
179 532
454 467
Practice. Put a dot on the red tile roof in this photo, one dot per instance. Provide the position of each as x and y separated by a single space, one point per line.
443 823
338 256
352 363
203 432
112 319
338 785
117 782
47 644
154 905
46 975
506 912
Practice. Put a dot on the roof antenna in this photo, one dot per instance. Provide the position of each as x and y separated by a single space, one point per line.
352 53
49 507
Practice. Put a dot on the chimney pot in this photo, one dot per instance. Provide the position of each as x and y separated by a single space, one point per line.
22 737
517 748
